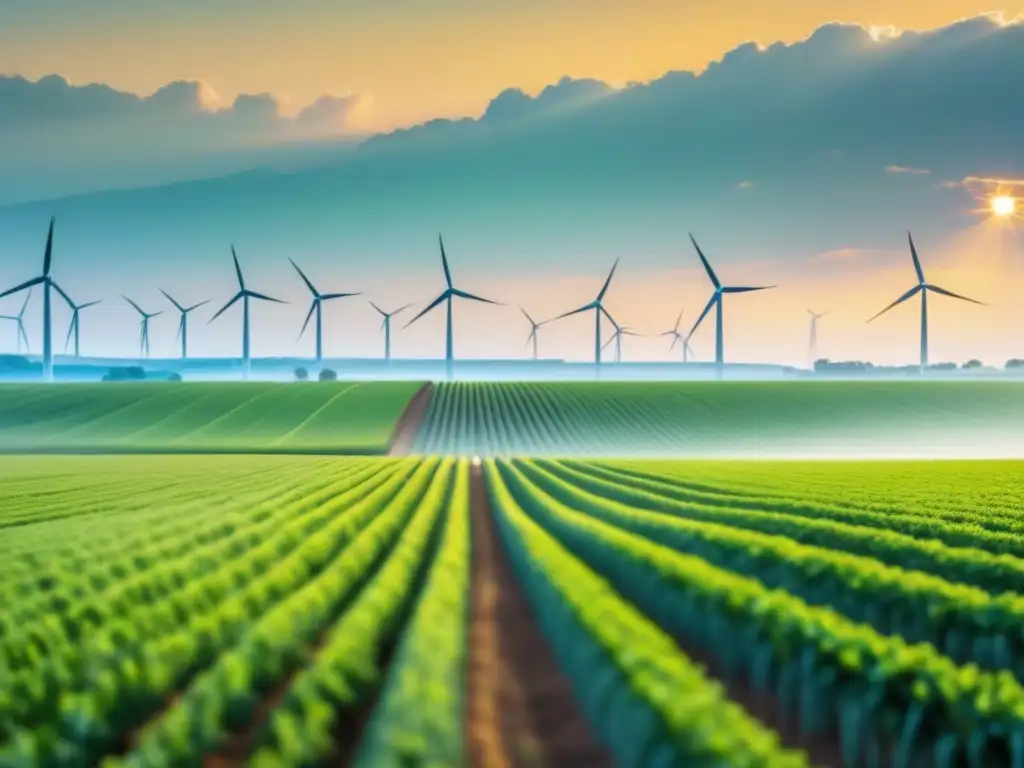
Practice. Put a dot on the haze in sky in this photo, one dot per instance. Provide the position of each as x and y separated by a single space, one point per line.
545 140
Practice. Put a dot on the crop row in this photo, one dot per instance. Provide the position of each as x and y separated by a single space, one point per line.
832 673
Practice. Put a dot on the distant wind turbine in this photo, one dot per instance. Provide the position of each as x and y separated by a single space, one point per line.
47 282
386 325
73 328
144 335
183 322
716 301
317 306
812 347
923 287
534 325
244 294
677 338
598 307
450 292
19 320
620 331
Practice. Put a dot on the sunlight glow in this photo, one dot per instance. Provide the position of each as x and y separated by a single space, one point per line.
1004 205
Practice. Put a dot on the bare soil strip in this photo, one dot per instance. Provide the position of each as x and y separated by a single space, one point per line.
520 709
409 425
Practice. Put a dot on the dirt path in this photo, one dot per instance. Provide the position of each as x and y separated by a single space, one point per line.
520 709
409 425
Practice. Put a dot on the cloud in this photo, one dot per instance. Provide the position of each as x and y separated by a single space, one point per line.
59 137
906 169
841 254
514 104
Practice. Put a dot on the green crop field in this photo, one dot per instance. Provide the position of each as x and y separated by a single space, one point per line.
970 419
282 611
212 417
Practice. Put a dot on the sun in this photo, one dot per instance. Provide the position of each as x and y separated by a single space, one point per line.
1004 205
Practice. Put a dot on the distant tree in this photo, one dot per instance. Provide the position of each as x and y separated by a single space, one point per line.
301 374
972 363
1014 362
174 377
14 363
328 375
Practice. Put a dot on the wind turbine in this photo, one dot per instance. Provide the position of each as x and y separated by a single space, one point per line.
716 301
677 337
386 325
533 330
923 287
617 338
144 336
19 320
450 292
183 322
812 347
47 282
244 294
74 327
599 309
317 306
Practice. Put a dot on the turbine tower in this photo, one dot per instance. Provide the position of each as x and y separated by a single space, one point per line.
47 282
244 294
144 336
183 322
533 330
450 292
19 320
74 326
923 287
812 347
317 306
716 302
677 337
386 325
598 306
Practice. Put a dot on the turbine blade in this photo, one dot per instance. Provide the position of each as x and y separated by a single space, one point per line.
675 340
608 281
64 296
611 319
746 289
465 295
171 299
23 286
181 327
223 309
91 304
952 295
309 315
137 307
527 315
378 309
263 297
327 296
48 254
195 306
403 307
533 333
711 302
238 268
24 336
909 294
429 307
584 308
608 343
678 321
71 330
707 267
444 262
24 304
305 279
917 261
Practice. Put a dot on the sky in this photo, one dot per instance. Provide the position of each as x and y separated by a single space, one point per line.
799 165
